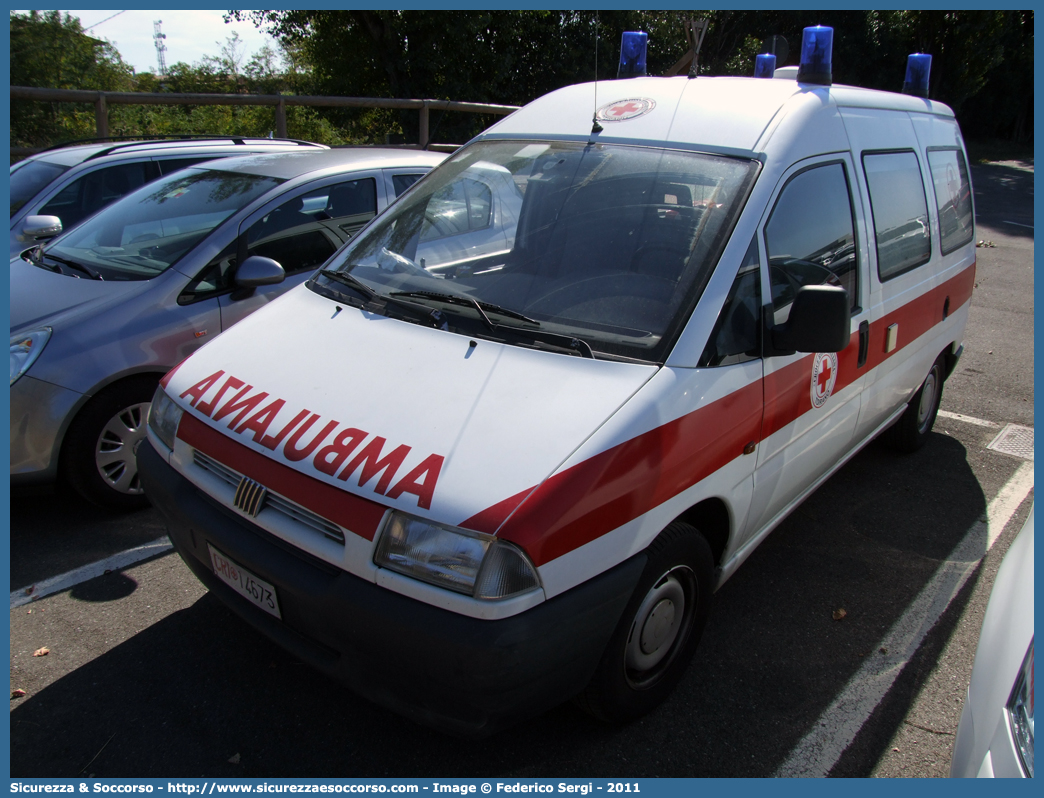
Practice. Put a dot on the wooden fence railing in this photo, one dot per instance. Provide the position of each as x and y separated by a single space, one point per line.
103 99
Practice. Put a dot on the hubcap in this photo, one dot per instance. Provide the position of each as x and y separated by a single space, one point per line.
115 454
927 403
660 626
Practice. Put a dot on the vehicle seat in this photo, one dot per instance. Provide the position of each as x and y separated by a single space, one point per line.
285 217
351 199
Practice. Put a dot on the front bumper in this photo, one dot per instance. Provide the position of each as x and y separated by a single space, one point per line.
459 674
40 414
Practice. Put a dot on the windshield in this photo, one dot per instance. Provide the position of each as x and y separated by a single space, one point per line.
147 232
29 178
606 244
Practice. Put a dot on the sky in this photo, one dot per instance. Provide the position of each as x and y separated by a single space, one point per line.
191 35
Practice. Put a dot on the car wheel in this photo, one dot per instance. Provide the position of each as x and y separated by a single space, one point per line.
658 632
100 456
914 426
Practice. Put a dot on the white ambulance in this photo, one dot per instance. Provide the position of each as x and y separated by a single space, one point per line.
476 481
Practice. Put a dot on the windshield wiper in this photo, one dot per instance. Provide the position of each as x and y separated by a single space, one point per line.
556 340
374 297
351 282
467 301
94 275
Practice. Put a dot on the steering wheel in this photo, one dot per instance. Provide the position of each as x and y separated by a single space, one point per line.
651 258
394 262
438 225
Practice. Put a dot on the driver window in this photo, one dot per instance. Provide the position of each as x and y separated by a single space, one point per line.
303 232
460 207
300 235
810 237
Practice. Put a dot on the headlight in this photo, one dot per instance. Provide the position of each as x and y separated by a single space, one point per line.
1020 712
164 417
25 348
458 559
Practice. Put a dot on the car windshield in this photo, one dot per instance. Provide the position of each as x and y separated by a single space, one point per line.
28 179
608 245
147 232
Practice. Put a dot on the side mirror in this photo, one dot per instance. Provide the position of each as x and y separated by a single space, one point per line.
256 271
41 227
820 321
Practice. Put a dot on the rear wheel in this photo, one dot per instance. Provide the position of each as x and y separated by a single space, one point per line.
100 455
914 426
659 630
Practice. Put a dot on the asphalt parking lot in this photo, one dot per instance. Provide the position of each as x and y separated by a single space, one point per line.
148 675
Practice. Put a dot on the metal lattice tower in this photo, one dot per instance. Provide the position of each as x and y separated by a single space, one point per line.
158 36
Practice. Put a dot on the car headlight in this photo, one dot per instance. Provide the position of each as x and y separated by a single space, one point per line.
467 562
164 417
1020 712
25 348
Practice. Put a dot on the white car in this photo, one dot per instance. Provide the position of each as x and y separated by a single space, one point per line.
995 736
479 464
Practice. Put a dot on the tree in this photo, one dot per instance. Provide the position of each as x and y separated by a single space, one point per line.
50 49
515 56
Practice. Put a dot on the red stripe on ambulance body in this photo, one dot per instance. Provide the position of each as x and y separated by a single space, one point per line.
600 494
920 315
356 514
787 390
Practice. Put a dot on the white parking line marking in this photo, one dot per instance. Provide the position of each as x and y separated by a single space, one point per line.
1005 503
838 726
1017 224
57 584
978 422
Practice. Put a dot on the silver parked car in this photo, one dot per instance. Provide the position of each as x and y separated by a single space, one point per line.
100 313
995 735
71 183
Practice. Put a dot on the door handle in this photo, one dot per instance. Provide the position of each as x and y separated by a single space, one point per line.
864 342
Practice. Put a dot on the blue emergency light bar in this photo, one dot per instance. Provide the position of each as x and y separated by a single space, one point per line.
918 67
632 54
765 66
817 45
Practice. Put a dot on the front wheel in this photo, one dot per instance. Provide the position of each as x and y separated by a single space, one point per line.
658 632
100 458
914 426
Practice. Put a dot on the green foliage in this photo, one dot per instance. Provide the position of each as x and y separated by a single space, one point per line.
49 49
513 57
982 65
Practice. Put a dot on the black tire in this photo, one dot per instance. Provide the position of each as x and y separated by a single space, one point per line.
99 456
652 646
911 431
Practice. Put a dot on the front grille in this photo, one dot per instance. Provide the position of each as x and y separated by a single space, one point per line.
272 501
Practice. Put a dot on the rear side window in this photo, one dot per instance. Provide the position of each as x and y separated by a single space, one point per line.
403 182
810 237
900 211
954 198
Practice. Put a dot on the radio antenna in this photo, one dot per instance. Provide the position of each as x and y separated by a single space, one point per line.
695 30
595 127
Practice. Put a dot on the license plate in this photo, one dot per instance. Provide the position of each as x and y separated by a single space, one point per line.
250 587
